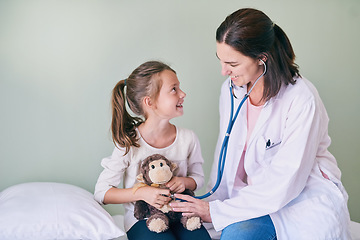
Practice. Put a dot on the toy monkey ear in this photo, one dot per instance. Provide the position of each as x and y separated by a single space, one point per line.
140 178
173 166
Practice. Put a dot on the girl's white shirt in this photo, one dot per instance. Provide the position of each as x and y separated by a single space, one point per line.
185 151
284 156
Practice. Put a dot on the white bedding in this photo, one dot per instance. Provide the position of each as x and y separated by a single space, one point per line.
354 229
48 210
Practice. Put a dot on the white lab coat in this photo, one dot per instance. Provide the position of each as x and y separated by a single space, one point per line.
285 180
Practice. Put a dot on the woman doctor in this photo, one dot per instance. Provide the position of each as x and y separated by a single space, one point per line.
279 179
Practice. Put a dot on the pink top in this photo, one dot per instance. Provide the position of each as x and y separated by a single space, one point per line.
253 113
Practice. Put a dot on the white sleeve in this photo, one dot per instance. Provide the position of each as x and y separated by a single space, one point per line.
112 174
195 163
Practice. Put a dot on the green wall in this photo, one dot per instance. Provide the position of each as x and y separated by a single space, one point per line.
60 59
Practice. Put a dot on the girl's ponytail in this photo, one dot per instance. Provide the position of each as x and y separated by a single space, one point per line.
123 125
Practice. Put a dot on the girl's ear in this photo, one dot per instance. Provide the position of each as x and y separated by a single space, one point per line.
147 102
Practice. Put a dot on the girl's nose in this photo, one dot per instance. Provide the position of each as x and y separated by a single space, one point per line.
182 94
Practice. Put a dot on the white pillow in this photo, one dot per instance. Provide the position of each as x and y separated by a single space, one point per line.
44 210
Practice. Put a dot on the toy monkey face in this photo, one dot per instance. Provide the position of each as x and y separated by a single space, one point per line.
159 171
156 169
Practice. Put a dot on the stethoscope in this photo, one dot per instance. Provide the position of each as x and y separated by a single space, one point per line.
224 145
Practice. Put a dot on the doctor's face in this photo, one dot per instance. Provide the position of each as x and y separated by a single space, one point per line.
240 68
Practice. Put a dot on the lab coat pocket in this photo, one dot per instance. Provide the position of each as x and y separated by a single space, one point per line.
267 149
315 218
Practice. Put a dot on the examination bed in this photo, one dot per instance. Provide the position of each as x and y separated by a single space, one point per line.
48 210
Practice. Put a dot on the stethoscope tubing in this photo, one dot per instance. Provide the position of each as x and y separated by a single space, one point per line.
232 119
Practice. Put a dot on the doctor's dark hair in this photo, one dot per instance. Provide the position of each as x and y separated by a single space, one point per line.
252 33
143 81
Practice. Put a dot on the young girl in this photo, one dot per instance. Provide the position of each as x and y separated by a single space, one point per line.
153 92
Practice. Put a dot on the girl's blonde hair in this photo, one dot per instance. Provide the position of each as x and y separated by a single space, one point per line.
143 81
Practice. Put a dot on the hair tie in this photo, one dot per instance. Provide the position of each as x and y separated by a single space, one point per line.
125 81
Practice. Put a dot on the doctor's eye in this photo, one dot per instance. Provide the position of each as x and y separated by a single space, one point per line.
152 166
161 164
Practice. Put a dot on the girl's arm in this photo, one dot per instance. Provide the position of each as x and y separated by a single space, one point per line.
195 173
106 191
156 197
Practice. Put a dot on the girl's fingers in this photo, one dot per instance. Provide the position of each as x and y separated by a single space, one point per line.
162 200
164 197
169 184
173 188
164 192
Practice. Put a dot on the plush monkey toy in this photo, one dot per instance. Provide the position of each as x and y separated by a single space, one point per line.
156 171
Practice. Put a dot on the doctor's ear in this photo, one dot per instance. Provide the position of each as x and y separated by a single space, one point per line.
262 59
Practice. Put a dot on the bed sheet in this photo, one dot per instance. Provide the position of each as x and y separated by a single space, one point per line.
354 229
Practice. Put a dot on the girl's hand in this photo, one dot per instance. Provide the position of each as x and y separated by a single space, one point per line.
191 207
156 197
177 184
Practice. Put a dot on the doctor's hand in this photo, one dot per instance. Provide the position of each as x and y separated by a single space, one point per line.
192 206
